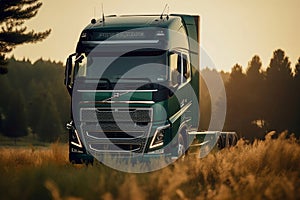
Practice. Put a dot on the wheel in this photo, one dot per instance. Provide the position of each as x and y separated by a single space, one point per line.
221 142
232 140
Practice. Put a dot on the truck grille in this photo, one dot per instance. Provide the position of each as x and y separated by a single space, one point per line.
113 115
117 130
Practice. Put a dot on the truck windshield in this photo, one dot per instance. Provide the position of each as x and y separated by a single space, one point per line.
150 66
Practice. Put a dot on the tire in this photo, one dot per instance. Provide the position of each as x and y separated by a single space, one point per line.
226 140
221 142
232 140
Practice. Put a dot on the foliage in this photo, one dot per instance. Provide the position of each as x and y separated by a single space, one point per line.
34 98
15 123
209 77
266 169
260 100
13 14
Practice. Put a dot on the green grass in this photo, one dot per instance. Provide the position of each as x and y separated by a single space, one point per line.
266 169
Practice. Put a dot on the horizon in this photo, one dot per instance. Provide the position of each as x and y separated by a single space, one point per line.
251 28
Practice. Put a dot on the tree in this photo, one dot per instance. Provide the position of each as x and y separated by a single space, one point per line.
235 92
254 97
13 14
279 68
50 127
15 122
297 70
279 94
33 97
296 113
254 67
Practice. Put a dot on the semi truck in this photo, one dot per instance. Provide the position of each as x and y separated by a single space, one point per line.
134 85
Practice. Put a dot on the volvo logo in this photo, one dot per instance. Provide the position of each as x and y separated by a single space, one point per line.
115 94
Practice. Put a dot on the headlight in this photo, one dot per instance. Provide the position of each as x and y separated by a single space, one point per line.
158 138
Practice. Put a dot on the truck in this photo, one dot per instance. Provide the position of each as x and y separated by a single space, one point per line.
134 86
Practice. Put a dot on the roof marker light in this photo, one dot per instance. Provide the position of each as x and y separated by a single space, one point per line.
93 21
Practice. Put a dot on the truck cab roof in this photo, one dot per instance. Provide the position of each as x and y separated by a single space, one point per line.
134 21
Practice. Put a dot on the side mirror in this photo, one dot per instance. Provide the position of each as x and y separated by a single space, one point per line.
68 71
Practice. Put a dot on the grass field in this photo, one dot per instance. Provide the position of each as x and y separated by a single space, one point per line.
268 169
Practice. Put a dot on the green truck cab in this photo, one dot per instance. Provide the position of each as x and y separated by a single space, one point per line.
134 84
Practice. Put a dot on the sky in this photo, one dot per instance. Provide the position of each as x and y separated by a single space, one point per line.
232 31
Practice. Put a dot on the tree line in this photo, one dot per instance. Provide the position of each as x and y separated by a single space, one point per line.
34 100
260 99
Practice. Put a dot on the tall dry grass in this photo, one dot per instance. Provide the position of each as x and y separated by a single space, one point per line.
33 156
268 169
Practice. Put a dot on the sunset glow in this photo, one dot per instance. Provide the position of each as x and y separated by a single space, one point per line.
233 31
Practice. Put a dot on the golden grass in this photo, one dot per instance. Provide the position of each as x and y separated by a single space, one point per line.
34 156
268 169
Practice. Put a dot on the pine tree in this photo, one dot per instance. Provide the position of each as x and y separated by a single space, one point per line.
50 127
235 92
297 70
296 113
254 67
15 124
279 94
13 14
254 97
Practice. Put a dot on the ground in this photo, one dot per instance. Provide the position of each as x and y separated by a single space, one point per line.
266 169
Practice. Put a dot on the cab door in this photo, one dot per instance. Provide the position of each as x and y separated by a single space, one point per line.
180 102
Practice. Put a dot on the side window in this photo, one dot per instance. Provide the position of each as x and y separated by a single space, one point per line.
180 68
80 67
174 68
186 67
